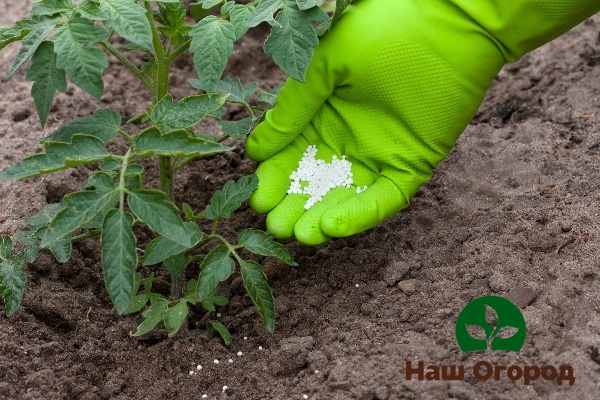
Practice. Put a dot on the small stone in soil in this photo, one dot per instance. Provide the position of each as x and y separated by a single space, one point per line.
216 361
199 367
239 354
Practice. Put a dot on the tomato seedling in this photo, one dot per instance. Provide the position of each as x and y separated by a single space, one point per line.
67 39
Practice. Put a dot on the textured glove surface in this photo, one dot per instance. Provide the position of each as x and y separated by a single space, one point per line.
391 86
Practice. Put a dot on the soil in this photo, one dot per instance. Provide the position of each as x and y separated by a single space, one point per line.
513 211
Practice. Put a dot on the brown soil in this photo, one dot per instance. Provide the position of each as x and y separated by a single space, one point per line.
515 205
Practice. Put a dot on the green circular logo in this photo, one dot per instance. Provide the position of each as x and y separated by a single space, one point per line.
490 323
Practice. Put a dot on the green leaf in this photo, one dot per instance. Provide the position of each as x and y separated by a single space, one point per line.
161 248
239 15
80 208
188 212
175 316
306 4
197 11
52 7
217 267
270 96
153 209
152 316
215 327
12 283
225 201
119 257
17 31
47 79
136 304
210 300
82 150
103 125
190 110
176 143
292 40
212 45
256 284
62 250
175 264
264 12
263 243
45 215
129 20
225 8
174 15
208 4
31 42
237 93
84 64
237 129
6 247
89 9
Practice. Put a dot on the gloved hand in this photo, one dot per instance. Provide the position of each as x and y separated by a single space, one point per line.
391 86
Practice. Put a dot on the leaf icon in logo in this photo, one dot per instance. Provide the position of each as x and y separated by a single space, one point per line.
476 332
491 316
506 332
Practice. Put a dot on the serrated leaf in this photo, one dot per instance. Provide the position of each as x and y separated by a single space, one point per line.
264 12
161 248
215 327
212 45
50 7
129 20
208 300
237 129
217 267
256 284
507 332
12 283
136 304
491 316
476 332
175 316
62 250
169 116
119 258
103 124
176 143
232 87
83 64
6 247
47 79
110 165
292 40
270 96
225 201
17 31
80 208
239 15
152 316
306 4
31 42
82 150
175 27
259 242
44 216
153 209
89 9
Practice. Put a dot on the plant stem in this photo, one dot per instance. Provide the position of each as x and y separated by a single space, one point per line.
129 65
179 51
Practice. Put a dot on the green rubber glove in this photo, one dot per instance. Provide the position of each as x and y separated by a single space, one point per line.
391 86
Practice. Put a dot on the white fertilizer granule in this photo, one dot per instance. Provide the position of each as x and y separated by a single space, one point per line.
319 176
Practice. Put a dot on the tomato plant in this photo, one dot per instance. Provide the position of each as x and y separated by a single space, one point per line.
67 39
